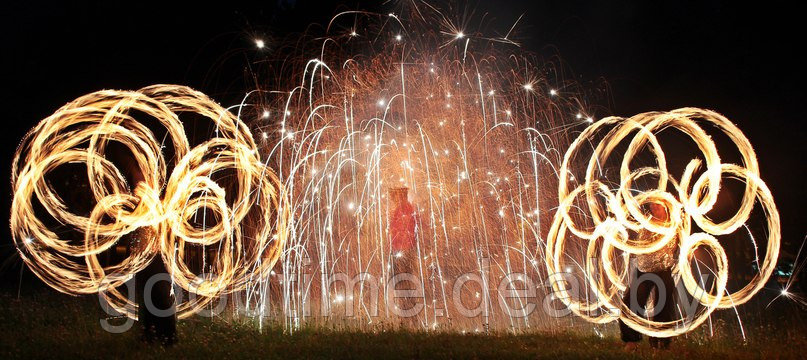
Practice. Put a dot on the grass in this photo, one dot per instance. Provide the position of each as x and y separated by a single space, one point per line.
52 325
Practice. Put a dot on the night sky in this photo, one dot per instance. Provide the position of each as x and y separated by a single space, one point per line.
744 61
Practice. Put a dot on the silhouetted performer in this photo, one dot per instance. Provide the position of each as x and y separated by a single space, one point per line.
659 264
156 308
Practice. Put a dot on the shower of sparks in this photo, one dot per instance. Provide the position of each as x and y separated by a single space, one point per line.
241 226
465 121
613 216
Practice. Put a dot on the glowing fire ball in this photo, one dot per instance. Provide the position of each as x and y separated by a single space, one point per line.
214 202
601 213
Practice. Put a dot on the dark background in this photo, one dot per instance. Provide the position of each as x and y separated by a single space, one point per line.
744 61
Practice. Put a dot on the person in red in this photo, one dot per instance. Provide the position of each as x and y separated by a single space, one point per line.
403 228
402 222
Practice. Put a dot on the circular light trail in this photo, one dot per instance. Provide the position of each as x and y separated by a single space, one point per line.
222 178
609 215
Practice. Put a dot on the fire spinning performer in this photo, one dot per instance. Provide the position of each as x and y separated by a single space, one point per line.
156 308
156 304
682 216
153 221
653 271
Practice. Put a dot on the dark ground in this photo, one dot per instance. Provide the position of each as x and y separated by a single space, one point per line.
46 324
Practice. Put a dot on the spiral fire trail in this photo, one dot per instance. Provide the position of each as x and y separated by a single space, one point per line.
243 215
612 216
